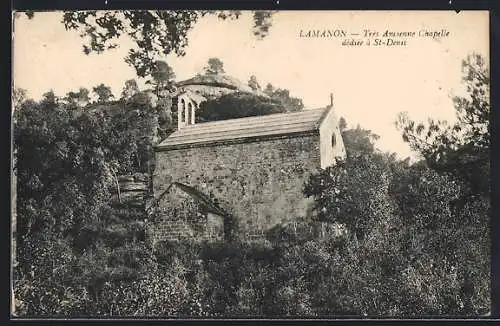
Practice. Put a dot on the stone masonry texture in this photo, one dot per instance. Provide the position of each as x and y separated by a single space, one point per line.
259 183
180 217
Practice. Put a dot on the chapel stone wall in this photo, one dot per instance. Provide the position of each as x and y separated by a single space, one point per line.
259 183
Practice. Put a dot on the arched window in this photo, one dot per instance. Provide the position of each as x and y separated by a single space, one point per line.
189 113
181 114
334 140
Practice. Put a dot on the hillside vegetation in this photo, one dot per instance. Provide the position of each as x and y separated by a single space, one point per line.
415 239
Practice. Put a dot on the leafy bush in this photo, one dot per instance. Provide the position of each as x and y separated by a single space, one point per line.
238 105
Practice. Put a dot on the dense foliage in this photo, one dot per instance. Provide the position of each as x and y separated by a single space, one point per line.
245 104
414 253
238 105
389 238
292 104
463 148
71 238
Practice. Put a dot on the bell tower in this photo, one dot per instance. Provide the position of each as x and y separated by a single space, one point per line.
186 110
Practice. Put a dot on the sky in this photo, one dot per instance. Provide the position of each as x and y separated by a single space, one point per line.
370 84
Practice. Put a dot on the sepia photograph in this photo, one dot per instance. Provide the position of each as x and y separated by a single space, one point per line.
254 164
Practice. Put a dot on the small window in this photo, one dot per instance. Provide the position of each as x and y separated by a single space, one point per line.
334 140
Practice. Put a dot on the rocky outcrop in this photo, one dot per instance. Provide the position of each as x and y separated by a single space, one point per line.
215 85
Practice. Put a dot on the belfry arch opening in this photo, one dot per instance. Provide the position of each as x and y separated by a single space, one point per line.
182 107
189 113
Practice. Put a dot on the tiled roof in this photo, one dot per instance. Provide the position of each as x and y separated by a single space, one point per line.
242 128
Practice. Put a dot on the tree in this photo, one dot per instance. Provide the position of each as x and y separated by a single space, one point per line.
72 244
238 105
50 97
460 154
103 93
349 191
353 192
58 163
155 33
407 248
435 213
130 89
359 141
162 76
214 67
253 83
292 104
269 90
262 22
80 98
446 248
461 149
342 124
19 95
134 128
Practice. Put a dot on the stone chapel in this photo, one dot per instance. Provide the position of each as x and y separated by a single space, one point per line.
251 170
